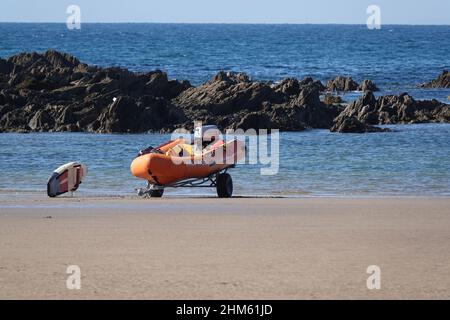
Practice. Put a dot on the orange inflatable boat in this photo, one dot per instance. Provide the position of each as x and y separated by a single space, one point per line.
177 164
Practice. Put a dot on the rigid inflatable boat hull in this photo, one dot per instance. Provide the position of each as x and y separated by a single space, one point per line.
163 169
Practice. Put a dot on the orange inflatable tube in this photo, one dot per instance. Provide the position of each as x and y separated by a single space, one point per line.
175 161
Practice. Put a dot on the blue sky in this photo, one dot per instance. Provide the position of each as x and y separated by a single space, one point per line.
229 11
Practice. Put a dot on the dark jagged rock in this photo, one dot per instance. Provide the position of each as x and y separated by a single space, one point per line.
5 66
15 120
353 125
363 109
233 100
312 112
344 84
41 121
330 99
61 60
254 120
442 81
50 60
127 114
310 82
289 86
341 83
293 87
394 109
227 93
367 85
54 91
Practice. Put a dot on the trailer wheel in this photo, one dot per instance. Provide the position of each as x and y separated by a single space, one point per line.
224 185
157 193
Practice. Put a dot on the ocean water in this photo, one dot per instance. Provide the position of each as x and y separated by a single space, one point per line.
414 160
397 58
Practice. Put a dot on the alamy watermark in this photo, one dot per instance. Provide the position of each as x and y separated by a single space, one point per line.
208 145
374 19
73 282
73 21
374 280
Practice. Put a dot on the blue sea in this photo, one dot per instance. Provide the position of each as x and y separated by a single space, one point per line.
413 160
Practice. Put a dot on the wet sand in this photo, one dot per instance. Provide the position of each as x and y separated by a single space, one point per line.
206 248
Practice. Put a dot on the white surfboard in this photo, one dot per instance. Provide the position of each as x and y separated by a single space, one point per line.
66 178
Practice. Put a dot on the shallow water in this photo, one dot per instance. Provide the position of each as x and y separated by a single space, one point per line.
412 161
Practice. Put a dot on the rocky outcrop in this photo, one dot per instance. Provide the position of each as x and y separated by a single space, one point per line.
367 85
232 100
227 93
343 84
143 114
392 110
293 87
353 125
330 99
5 67
54 91
442 81
41 121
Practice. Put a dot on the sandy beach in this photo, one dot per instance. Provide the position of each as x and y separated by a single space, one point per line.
206 248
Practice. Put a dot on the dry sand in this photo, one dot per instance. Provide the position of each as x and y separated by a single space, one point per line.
225 249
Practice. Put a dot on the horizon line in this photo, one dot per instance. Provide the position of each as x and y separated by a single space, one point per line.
227 23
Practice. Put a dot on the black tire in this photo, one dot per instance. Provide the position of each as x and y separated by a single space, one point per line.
157 193
224 185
